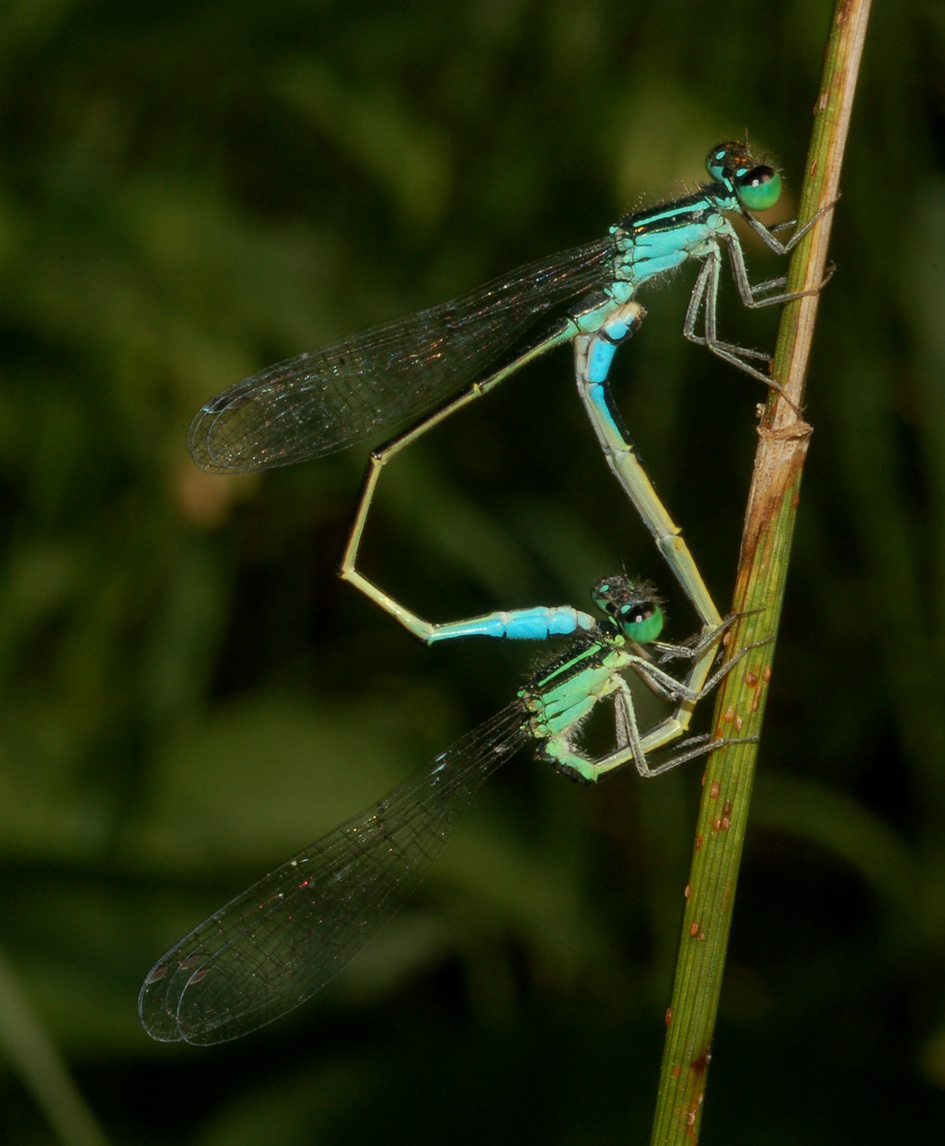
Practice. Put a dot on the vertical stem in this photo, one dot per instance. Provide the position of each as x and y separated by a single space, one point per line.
759 594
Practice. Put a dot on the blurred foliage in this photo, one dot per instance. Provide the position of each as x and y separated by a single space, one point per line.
191 191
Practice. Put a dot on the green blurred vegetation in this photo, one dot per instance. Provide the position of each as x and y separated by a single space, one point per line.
191 191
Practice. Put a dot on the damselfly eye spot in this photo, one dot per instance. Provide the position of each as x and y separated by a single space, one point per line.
719 160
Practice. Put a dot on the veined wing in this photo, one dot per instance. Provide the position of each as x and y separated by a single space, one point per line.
283 939
326 399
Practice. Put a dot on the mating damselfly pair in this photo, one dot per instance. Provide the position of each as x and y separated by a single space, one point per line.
280 941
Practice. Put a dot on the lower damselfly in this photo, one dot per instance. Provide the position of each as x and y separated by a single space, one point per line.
284 938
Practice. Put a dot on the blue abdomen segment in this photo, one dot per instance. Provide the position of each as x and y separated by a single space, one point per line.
599 360
536 624
605 342
599 395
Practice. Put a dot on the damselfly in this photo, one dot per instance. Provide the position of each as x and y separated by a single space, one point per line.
449 355
284 938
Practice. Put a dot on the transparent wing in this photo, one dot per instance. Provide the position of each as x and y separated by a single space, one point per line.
328 398
284 938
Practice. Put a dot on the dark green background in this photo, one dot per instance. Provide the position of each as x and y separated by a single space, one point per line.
193 190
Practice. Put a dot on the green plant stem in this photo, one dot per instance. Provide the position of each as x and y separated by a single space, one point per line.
759 594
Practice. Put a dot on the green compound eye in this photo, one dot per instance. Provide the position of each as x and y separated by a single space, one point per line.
759 188
641 624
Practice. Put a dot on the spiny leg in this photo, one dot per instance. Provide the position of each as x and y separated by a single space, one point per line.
560 746
705 292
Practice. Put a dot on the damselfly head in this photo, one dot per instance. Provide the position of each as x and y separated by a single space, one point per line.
751 179
634 607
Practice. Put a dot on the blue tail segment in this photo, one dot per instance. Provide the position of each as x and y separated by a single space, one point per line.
536 624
